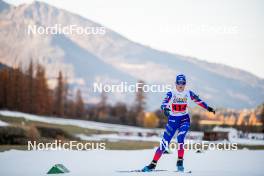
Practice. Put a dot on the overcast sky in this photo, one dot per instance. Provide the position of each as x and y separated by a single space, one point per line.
222 31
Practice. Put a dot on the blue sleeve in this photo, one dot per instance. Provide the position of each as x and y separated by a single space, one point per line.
197 100
166 100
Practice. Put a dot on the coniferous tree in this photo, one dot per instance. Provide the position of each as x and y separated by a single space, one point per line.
4 77
29 92
79 105
120 112
10 90
102 109
140 104
262 117
70 108
42 93
24 91
59 96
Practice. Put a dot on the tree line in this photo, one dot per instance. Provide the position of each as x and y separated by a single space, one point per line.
28 91
121 113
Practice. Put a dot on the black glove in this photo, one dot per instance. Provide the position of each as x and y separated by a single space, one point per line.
166 112
210 109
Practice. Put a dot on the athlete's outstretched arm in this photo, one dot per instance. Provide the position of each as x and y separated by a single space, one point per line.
195 98
166 100
200 102
164 106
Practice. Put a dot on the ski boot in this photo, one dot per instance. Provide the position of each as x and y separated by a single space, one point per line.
150 167
179 165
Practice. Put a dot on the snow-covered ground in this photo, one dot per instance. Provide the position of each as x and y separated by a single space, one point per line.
108 163
247 141
118 137
3 123
121 129
79 123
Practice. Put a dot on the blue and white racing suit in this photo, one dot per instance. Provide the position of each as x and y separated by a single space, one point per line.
178 119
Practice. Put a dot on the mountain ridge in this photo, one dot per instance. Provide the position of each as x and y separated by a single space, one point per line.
112 58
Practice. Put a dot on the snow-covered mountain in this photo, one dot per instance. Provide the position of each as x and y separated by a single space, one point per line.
113 58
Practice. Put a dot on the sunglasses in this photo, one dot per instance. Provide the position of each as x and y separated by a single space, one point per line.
183 83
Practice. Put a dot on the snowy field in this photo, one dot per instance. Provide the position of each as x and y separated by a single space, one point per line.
79 123
108 163
120 129
3 123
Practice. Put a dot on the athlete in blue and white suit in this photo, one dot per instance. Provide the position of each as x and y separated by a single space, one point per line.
175 107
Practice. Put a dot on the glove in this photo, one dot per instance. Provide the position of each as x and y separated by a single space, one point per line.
166 112
210 109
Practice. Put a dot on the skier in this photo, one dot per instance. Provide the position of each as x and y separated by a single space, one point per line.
174 106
